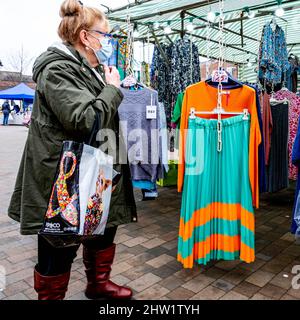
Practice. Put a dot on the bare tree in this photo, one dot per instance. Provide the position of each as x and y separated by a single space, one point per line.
19 62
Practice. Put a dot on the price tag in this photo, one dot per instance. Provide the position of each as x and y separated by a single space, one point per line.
220 75
151 112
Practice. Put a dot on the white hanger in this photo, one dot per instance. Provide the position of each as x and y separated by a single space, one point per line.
193 113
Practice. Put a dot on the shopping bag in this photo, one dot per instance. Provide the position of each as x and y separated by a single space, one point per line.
170 178
81 193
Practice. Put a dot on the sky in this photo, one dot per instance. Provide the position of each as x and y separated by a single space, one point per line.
32 24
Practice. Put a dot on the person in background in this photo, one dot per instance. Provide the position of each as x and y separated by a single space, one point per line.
6 111
16 108
73 86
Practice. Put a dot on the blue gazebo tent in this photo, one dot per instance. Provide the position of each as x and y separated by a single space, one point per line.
19 92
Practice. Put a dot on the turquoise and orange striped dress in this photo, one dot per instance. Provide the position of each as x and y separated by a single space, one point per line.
217 215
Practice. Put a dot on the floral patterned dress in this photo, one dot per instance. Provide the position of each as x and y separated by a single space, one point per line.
294 112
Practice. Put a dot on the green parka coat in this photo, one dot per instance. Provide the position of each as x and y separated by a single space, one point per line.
67 95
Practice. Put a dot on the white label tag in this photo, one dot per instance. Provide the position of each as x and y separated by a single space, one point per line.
151 112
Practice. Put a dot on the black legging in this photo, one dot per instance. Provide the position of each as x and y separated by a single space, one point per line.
57 253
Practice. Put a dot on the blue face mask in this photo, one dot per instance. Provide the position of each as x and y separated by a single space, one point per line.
105 52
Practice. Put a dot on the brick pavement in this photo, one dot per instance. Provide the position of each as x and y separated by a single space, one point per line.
146 251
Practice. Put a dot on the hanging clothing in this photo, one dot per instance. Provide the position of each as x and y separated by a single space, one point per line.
273 55
294 113
203 97
296 162
163 137
277 170
267 124
185 65
261 148
176 118
161 78
141 134
292 73
177 110
173 76
145 74
217 216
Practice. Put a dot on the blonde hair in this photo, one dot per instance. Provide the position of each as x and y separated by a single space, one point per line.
76 17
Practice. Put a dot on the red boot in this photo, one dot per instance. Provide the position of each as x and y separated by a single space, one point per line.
98 267
51 287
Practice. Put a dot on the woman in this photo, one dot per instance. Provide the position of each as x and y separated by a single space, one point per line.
72 85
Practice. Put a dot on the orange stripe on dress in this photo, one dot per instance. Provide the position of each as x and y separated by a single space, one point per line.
216 210
221 243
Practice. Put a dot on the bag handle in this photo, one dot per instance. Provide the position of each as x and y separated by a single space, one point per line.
95 129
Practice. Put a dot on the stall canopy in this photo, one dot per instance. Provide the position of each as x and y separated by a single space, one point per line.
242 34
19 92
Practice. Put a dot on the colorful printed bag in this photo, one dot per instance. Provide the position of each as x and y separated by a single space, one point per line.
80 198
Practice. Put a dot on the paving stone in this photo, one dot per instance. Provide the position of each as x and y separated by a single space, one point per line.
75 288
171 283
294 293
137 272
141 259
79 296
293 250
153 293
247 289
160 261
144 282
15 288
18 276
209 293
272 291
180 294
236 276
215 273
260 278
121 280
158 251
122 238
223 285
227 265
31 294
254 266
288 237
18 296
163 271
136 250
259 296
120 268
198 283
153 243
288 297
263 257
188 274
171 245
274 266
282 280
135 241
232 295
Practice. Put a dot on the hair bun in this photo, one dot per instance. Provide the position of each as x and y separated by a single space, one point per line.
70 8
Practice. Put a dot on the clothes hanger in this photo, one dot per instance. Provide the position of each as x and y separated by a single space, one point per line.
231 81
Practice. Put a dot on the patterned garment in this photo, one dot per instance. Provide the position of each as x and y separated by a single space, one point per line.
273 55
161 79
67 204
294 113
185 65
184 70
